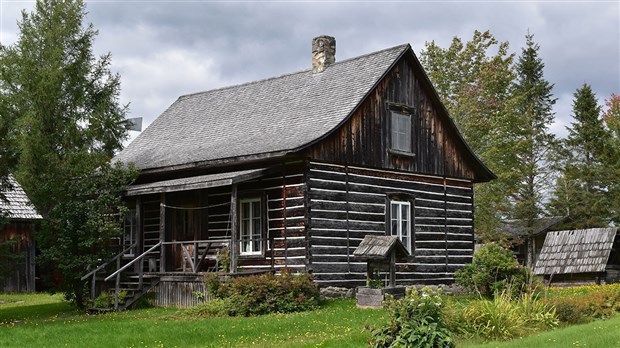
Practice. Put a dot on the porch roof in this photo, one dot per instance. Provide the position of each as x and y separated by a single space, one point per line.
195 182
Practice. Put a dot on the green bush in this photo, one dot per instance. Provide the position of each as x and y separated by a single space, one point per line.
416 320
592 302
106 299
265 293
494 270
216 307
502 317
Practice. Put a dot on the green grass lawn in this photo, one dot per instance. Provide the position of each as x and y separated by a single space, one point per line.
41 320
597 334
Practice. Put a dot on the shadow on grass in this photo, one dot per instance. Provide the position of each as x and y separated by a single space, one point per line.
38 312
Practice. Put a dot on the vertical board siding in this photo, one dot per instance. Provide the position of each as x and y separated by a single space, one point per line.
363 140
347 203
20 266
178 292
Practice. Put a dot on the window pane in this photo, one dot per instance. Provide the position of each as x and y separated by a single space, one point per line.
250 226
401 132
256 209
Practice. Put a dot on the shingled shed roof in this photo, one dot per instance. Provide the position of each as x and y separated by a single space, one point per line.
380 247
576 251
262 118
17 205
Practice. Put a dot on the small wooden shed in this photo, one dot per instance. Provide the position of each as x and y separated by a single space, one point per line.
580 256
381 253
17 271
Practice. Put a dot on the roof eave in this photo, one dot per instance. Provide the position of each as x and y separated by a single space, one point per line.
219 162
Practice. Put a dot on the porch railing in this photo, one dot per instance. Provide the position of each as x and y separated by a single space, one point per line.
196 251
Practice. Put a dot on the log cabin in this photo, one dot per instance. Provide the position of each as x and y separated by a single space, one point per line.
293 171
17 271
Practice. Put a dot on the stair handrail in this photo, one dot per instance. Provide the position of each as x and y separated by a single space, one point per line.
118 271
108 261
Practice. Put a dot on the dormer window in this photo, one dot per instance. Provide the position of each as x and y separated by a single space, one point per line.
400 132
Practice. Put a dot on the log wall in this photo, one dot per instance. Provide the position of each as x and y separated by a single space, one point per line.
348 202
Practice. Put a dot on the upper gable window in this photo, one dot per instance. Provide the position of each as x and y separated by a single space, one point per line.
400 132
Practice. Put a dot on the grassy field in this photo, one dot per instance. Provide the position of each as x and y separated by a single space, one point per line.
597 334
44 321
41 320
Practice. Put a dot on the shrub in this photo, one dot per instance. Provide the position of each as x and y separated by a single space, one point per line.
416 320
106 299
265 293
584 303
494 270
502 317
216 307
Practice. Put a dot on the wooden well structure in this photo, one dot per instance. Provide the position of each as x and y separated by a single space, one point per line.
381 254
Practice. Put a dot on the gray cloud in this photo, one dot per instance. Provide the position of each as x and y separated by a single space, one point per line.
166 49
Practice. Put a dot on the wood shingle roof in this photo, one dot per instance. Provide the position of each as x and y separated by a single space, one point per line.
576 251
17 205
260 119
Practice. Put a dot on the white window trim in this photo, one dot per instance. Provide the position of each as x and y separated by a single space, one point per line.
260 233
399 218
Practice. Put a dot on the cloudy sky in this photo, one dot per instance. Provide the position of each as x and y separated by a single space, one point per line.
164 49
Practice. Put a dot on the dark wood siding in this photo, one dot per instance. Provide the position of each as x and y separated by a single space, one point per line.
19 265
348 202
363 140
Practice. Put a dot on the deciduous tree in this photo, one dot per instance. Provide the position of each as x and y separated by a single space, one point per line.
66 105
473 80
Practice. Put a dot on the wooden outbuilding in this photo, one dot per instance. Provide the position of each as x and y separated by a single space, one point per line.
17 236
294 171
580 256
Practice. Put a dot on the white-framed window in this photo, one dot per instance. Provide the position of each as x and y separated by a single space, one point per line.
129 232
400 132
250 227
400 224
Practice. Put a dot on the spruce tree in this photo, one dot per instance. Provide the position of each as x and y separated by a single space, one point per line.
582 187
533 104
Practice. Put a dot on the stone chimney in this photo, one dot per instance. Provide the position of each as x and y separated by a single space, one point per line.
323 53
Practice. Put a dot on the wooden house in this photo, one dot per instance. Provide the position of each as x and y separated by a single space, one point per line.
293 171
17 237
580 256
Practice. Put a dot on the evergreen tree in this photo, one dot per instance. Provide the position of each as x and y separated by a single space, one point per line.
533 105
70 122
473 81
582 188
611 116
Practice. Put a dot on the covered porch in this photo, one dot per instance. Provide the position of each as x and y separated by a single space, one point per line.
176 230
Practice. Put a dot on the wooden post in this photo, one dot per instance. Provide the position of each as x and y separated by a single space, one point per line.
234 233
162 232
138 250
393 268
